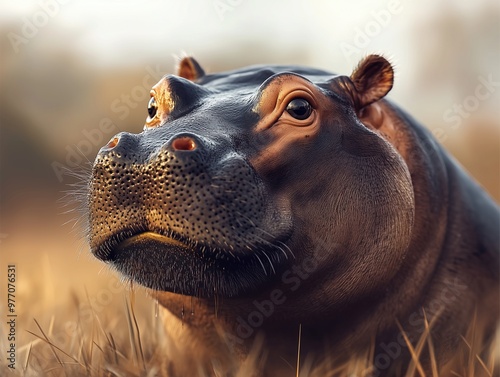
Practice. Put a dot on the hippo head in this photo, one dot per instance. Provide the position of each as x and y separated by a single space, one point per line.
240 178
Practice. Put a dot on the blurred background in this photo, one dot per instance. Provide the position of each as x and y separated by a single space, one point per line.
73 73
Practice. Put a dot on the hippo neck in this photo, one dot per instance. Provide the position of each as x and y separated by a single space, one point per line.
433 278
427 166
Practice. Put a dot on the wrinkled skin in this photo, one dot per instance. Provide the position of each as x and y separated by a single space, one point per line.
263 198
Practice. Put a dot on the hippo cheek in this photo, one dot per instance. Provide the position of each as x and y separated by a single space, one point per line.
370 217
185 218
353 214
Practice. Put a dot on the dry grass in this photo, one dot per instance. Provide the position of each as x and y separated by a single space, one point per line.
122 341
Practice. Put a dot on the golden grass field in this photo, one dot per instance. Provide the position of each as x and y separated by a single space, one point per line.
127 341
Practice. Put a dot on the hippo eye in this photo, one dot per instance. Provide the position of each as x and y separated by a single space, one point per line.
299 108
152 107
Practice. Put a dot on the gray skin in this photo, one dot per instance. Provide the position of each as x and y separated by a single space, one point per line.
269 197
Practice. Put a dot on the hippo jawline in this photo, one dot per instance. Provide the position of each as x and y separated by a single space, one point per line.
165 263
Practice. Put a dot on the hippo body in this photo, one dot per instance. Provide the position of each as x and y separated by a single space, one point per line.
269 200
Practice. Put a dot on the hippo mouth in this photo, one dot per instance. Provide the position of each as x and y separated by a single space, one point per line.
169 262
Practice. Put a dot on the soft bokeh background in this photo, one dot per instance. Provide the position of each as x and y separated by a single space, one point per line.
73 73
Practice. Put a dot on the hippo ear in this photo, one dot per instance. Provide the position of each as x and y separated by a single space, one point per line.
372 80
189 68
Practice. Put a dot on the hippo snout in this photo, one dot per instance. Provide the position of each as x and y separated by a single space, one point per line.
188 204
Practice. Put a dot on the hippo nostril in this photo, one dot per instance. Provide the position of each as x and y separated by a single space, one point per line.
113 142
184 144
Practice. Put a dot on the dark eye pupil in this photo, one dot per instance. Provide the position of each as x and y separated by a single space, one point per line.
152 107
299 108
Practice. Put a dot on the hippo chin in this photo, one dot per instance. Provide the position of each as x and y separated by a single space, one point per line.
272 197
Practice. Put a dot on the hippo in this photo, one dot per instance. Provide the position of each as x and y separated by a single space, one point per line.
299 210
